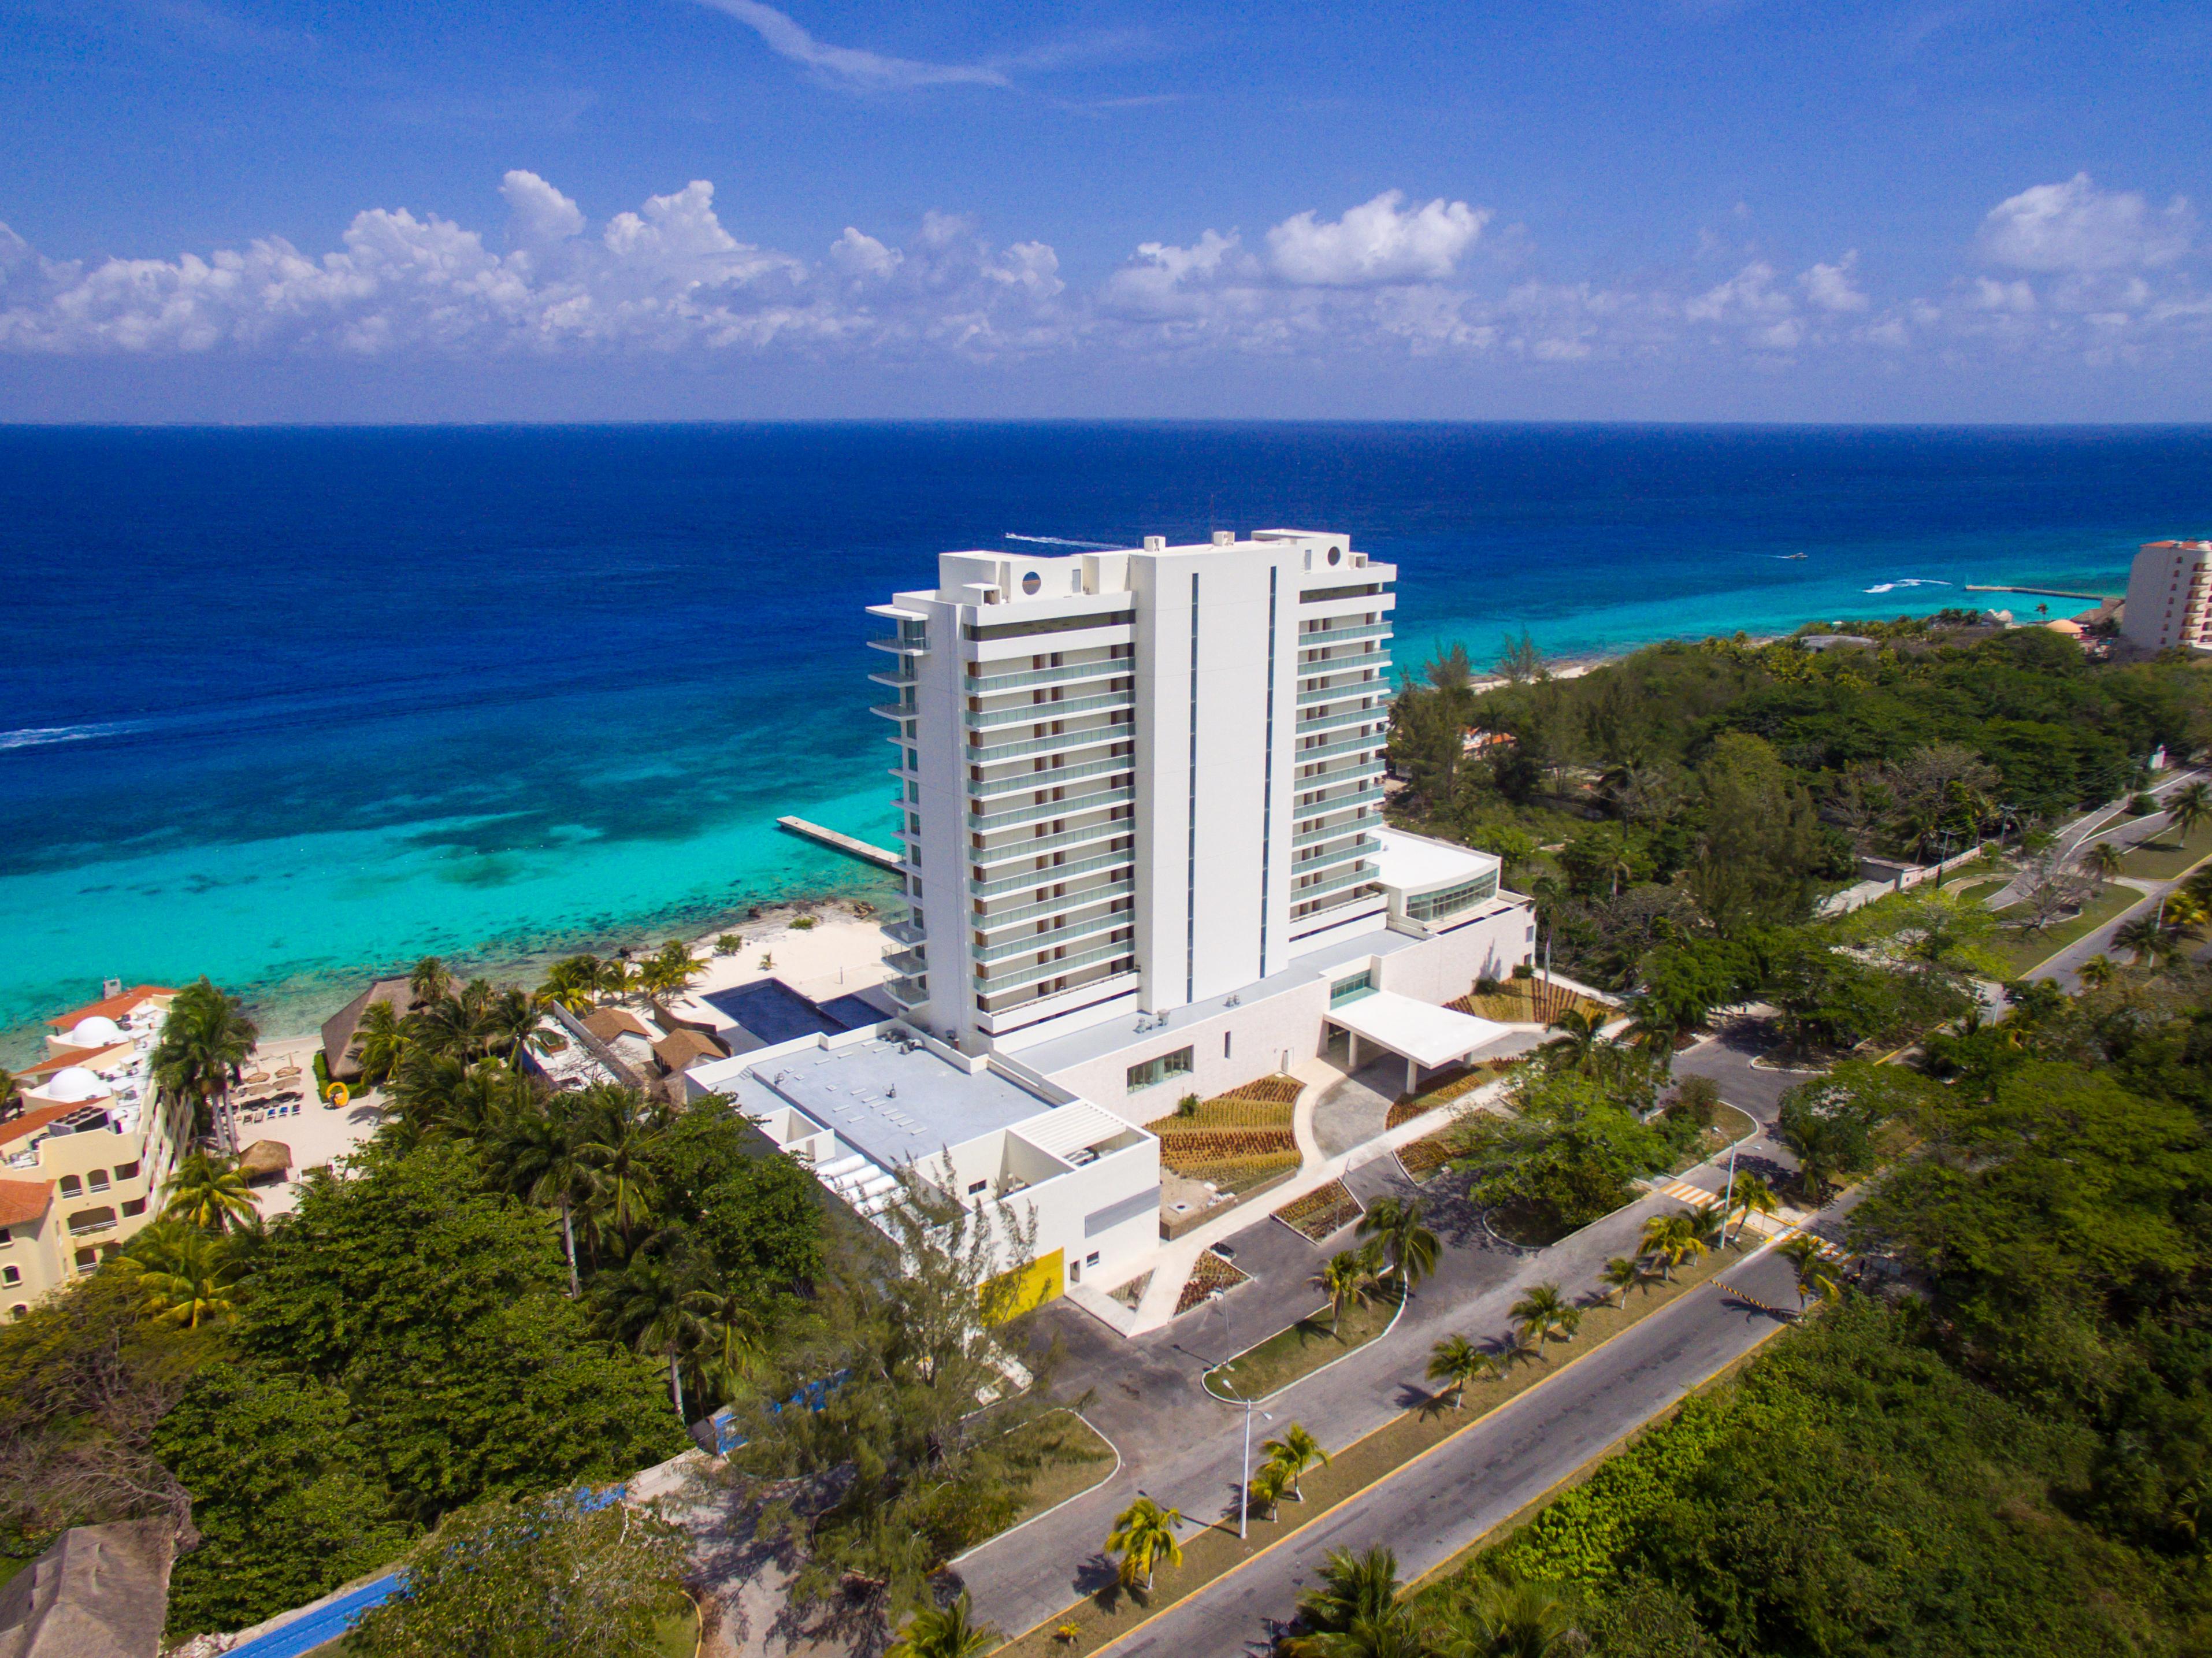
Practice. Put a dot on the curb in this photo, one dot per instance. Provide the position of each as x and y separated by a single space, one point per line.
1111 1474
1404 1300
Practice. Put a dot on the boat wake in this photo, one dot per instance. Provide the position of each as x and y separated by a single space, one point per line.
1909 581
36 736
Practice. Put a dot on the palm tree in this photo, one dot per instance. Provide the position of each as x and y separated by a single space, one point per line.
2188 807
185 1273
1513 1621
572 983
945 1632
1352 1589
1345 1277
380 1042
1266 1491
430 979
535 1152
1410 1247
617 1157
205 1040
210 1193
729 1337
1752 1196
1543 1313
511 1026
665 972
2103 859
1814 1275
2142 938
1621 1274
1455 1361
1144 1535
1581 1035
649 1303
1295 1452
464 1024
2185 915
2097 971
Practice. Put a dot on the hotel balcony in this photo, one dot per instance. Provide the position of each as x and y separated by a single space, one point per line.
1065 904
908 993
1001 989
1360 875
1069 806
1335 635
900 674
904 709
1353 825
1374 739
1021 782
1119 858
1105 828
906 932
907 963
1030 943
1085 987
1120 728
1359 846
1377 686
1031 714
1349 717
1067 672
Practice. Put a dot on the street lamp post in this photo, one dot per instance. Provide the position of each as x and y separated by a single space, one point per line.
1244 1491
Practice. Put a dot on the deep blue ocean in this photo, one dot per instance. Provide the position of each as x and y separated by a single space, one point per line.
282 705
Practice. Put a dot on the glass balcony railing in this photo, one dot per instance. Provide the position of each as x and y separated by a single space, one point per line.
1374 739
1120 857
1106 829
1012 978
1065 904
1349 717
1031 714
1332 636
1112 731
985 685
1377 686
1073 933
1071 806
1029 781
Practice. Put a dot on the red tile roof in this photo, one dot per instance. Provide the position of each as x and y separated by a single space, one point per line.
32 1121
109 1006
22 1201
62 1057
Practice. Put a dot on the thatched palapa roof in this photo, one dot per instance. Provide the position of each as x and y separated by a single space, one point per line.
263 1158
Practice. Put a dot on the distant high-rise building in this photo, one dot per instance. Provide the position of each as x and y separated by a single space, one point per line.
2167 596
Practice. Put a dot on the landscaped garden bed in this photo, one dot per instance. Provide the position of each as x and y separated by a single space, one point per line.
1210 1274
1531 1001
1424 1159
1234 1141
1322 1211
1443 1089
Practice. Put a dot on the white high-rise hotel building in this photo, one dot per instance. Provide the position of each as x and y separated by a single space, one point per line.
1142 796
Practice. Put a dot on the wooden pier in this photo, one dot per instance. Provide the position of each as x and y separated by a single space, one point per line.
880 857
2047 592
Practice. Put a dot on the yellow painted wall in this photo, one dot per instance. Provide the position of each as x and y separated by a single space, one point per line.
1030 1287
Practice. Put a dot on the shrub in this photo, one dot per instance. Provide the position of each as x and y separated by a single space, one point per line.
2143 803
1187 1105
802 924
729 943
1698 1098
1489 985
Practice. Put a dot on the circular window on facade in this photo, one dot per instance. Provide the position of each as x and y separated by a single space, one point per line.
1335 555
1031 582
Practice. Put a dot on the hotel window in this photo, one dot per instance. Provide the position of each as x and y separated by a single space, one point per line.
71 1186
1450 901
98 1179
134 1207
1351 989
18 1310
11 1276
87 1260
126 1171
1152 1072
6 1236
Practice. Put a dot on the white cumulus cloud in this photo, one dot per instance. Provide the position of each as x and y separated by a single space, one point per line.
2075 226
1376 242
1829 286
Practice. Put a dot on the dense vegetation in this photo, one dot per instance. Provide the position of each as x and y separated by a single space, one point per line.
509 1290
1699 796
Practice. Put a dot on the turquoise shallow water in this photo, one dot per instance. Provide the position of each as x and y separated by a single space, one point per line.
289 705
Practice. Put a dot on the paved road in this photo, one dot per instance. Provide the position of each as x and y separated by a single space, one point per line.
1183 1448
1431 1509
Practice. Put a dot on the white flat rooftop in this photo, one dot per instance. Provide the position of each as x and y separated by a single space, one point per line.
1413 863
1413 1030
897 1104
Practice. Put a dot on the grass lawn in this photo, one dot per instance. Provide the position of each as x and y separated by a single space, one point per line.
1087 1460
2164 857
1213 1549
1730 1126
2021 951
1303 1348
1978 890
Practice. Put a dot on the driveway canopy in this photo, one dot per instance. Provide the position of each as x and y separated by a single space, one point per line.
1414 1030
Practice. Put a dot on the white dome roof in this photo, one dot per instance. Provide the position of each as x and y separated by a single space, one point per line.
73 1083
98 1031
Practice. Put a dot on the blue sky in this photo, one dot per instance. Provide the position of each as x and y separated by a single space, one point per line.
1698 209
